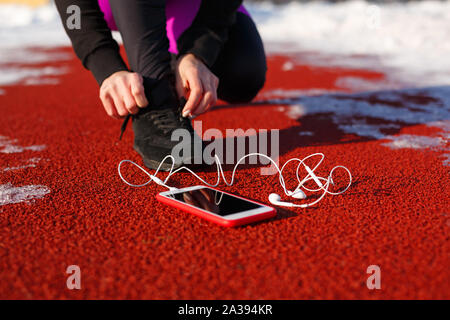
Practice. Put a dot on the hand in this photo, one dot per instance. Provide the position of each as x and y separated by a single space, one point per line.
122 93
197 84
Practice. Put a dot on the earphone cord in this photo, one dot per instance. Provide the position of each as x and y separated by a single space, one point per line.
301 182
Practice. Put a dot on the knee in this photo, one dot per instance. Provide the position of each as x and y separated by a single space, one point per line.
243 85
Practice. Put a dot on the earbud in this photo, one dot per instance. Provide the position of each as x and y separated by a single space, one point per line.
297 194
276 200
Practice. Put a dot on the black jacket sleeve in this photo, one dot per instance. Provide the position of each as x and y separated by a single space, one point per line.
209 30
93 42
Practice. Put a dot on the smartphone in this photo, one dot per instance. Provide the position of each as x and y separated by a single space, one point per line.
219 207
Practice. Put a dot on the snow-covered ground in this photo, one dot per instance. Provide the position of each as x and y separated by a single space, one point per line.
411 40
10 194
356 114
22 29
408 42
14 194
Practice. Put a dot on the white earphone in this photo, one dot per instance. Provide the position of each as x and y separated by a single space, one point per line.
322 183
276 200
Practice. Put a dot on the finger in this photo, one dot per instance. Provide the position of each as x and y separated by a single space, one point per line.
213 93
128 100
195 95
209 95
108 104
137 90
216 82
119 105
205 103
130 103
216 86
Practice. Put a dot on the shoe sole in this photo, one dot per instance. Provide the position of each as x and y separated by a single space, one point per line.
154 164
166 166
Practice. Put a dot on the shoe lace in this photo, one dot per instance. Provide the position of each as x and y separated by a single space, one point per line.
164 119
123 127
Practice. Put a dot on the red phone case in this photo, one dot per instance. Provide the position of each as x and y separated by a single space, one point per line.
223 222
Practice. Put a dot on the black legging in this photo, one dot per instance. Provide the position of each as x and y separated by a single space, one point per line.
241 66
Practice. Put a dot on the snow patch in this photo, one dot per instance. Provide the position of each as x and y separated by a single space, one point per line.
30 163
9 76
408 38
446 162
370 114
9 146
413 142
281 94
41 81
439 141
287 66
10 194
23 29
295 111
24 26
355 84
376 114
29 55
444 125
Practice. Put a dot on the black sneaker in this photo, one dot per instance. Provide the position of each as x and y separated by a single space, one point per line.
153 129
153 138
155 125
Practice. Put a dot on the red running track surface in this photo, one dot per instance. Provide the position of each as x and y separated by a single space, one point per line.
128 245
